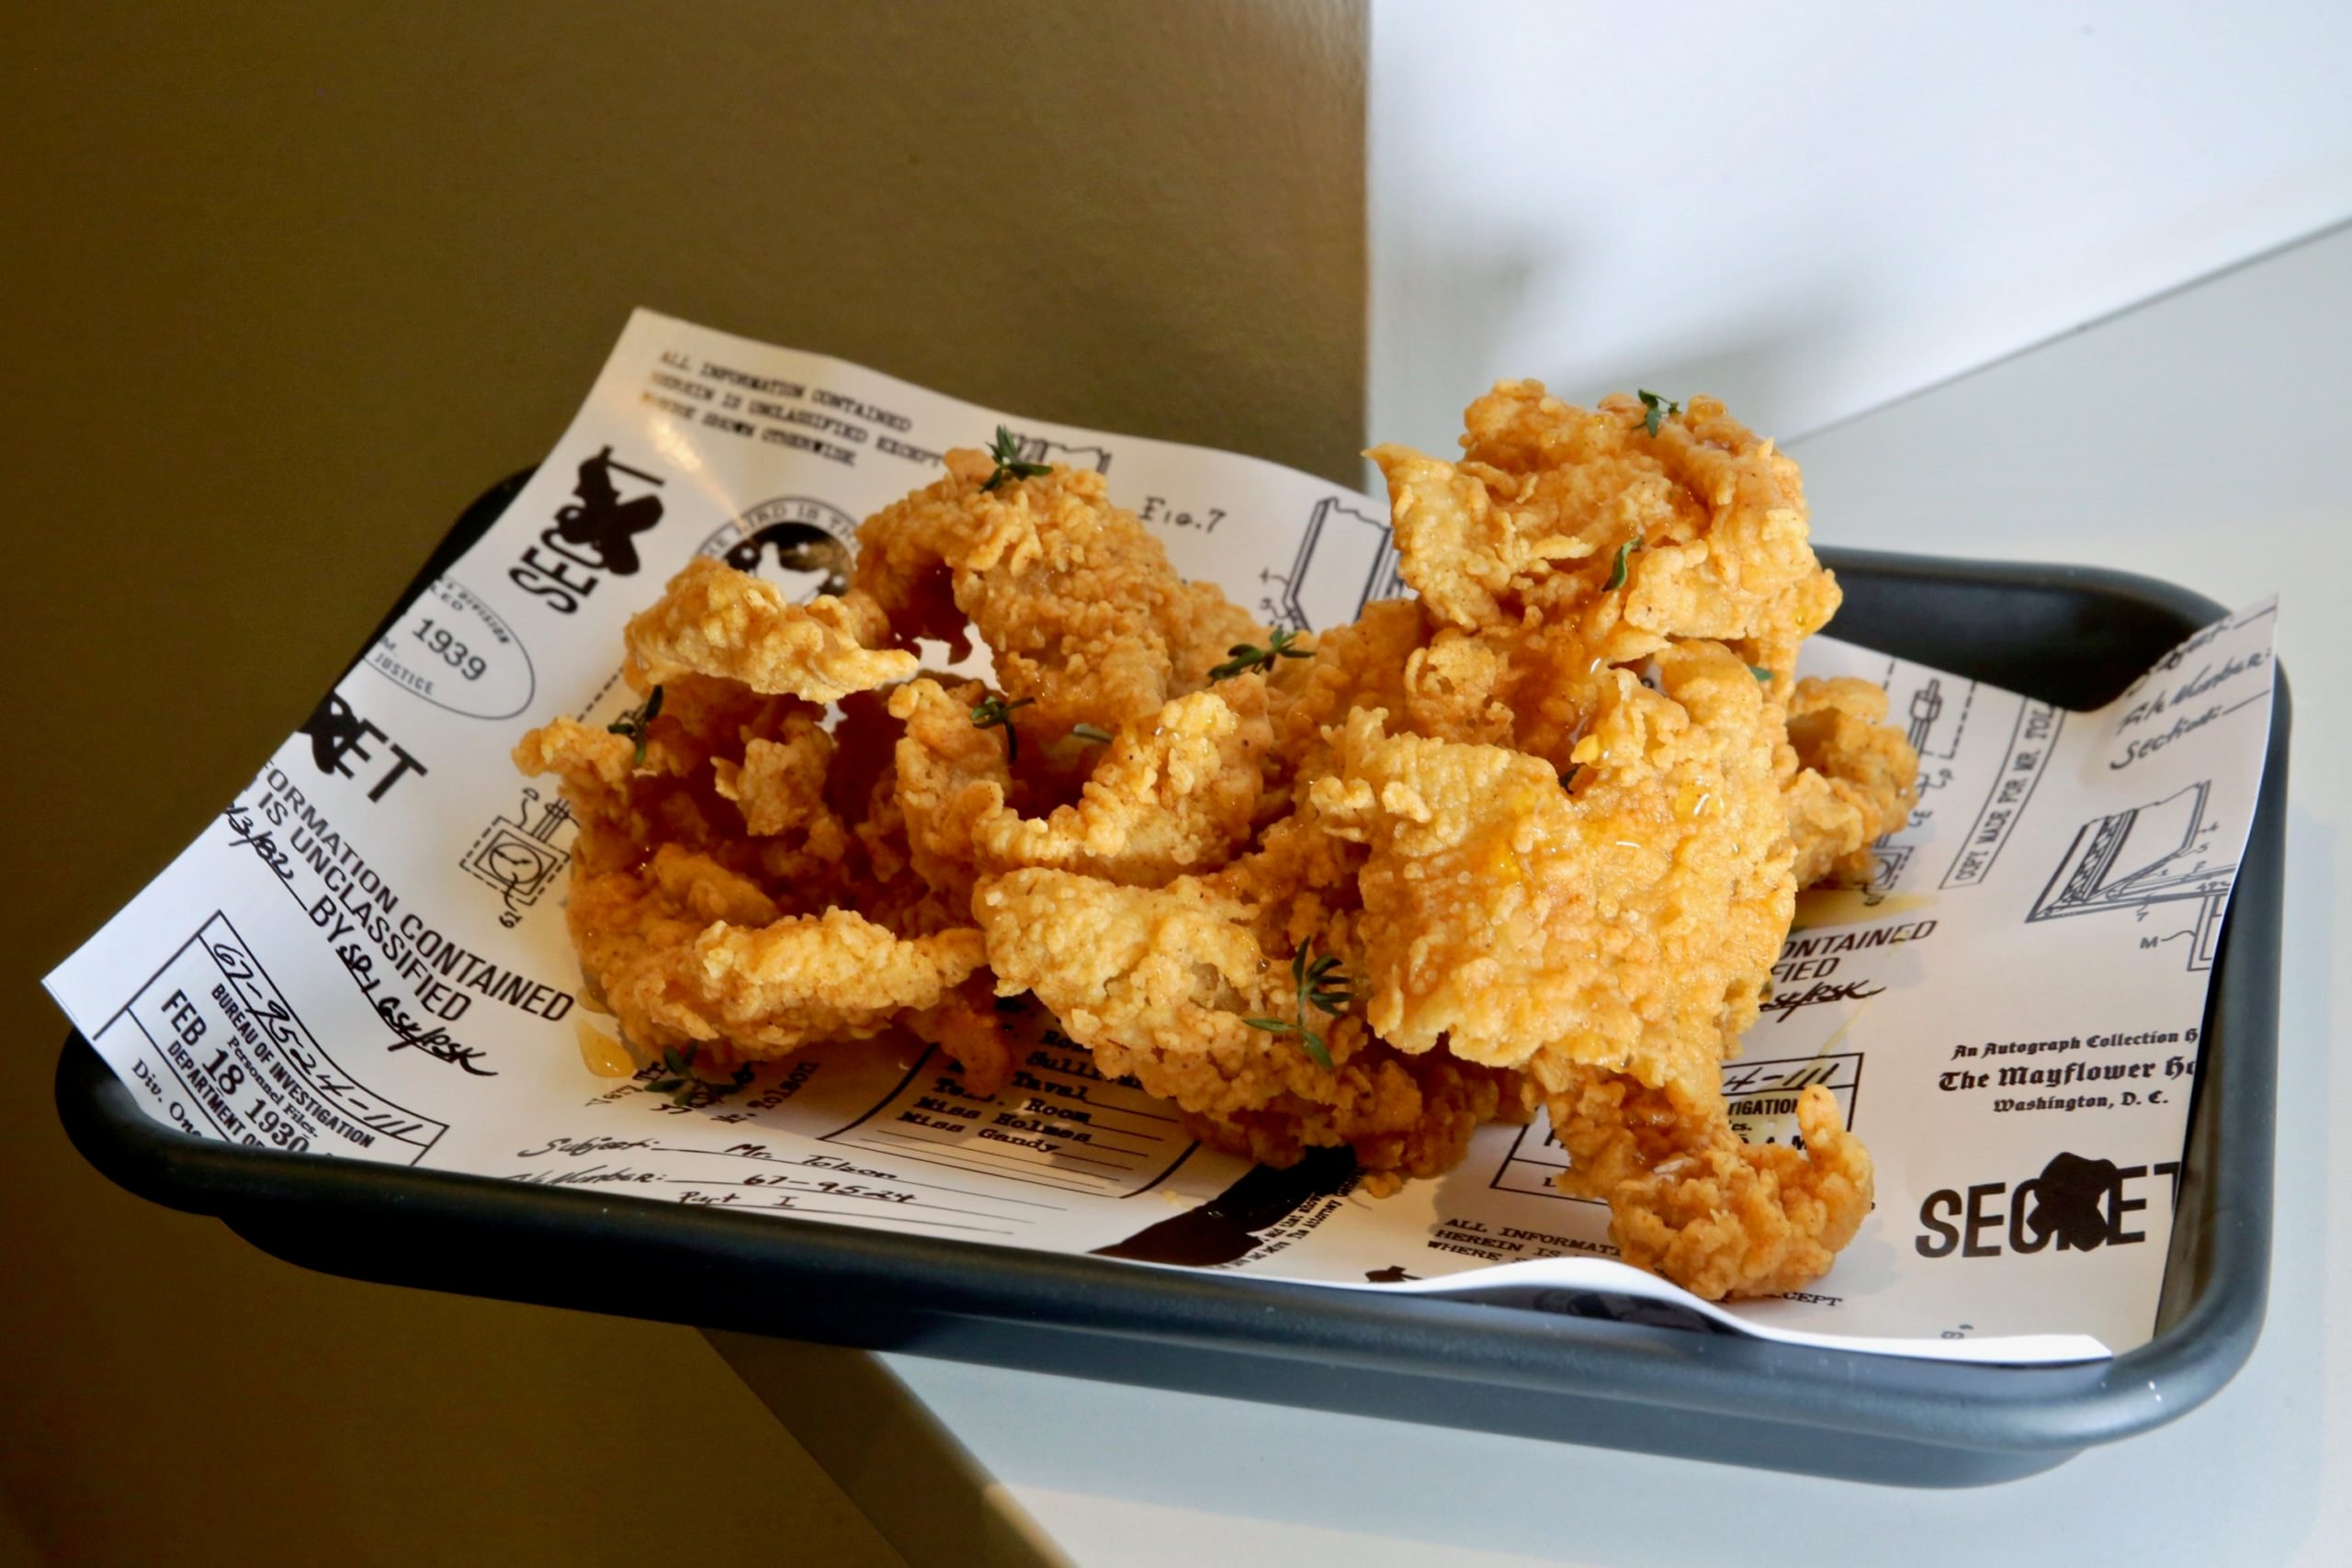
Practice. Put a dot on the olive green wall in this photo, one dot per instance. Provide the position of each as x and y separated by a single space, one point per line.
285 285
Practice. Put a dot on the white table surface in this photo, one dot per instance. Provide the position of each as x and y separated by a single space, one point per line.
2205 438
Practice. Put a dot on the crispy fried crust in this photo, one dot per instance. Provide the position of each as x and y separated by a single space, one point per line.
1174 791
1546 496
685 950
1855 779
1078 602
714 620
1158 984
1627 921
1687 1199
1547 820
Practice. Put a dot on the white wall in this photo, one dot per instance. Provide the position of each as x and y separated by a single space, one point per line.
1810 208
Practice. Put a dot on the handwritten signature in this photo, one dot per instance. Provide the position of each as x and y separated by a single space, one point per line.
264 844
1787 1003
436 1042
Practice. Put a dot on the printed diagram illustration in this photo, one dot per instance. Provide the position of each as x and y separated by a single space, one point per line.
1038 449
1346 561
2141 860
1934 721
518 856
599 520
797 542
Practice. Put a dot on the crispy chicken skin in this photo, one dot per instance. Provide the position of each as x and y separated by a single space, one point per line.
716 621
1075 599
1628 921
1687 1199
1530 838
1158 984
1856 778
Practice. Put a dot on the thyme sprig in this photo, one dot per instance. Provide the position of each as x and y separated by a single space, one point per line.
1249 656
684 1080
1617 571
1006 450
637 721
1320 985
1657 410
995 713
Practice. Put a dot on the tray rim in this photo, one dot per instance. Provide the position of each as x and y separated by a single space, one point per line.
2048 1411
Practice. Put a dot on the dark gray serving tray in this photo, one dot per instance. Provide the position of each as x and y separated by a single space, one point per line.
2066 635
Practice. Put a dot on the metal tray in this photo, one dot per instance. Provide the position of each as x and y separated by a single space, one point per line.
2070 636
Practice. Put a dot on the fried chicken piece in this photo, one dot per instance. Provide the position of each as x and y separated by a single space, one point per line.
968 1026
1547 815
684 948
1176 790
1407 1117
1297 886
1085 616
1625 920
780 785
1689 1200
1698 531
703 718
1855 779
685 789
950 773
595 768
1157 982
1361 665
714 620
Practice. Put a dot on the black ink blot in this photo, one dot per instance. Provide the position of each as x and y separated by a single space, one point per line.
334 729
2070 1197
799 547
1227 1227
601 521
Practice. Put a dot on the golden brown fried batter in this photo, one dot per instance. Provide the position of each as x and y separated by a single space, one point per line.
1627 921
1535 835
1078 602
1158 982
1696 532
1175 791
1689 1200
714 620
1857 779
685 950
595 769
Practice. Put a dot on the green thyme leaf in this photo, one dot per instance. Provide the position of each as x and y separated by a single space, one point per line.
1657 410
1249 656
995 713
1090 732
1320 985
635 722
1617 571
1759 672
1006 450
